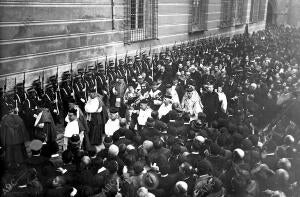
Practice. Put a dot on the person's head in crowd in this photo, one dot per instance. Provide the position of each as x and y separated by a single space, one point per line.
71 103
123 123
204 167
59 181
143 74
138 168
285 164
220 88
189 92
147 145
113 150
112 166
72 114
107 141
192 69
167 99
185 117
154 114
181 188
123 148
50 149
186 169
74 143
67 156
158 143
140 79
210 87
150 180
238 155
280 152
150 123
143 192
114 113
162 69
288 140
131 87
35 147
175 81
282 177
154 86
143 104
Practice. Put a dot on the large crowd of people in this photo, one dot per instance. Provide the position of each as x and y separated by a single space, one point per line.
198 119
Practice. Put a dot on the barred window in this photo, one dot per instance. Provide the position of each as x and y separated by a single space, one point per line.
232 13
240 13
199 11
226 13
254 11
141 20
262 7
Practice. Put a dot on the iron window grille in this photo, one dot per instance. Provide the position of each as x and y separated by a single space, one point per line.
262 7
199 14
232 13
141 20
226 13
254 11
240 16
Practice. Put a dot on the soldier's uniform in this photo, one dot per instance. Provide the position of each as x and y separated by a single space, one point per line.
49 101
30 107
111 73
80 91
66 91
3 104
101 80
37 85
90 82
131 73
19 98
138 65
121 70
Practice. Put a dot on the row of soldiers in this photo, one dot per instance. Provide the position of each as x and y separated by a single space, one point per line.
104 78
55 95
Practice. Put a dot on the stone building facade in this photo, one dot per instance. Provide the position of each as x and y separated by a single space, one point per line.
39 36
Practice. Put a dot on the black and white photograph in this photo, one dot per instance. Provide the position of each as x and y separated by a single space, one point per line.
149 98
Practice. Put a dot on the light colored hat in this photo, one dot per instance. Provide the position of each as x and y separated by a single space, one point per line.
113 150
147 145
240 152
130 147
181 187
200 139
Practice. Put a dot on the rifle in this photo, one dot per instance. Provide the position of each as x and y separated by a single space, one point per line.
96 65
4 87
85 86
16 100
57 92
116 62
126 57
140 52
152 69
72 81
25 95
106 66
43 82
149 51
96 85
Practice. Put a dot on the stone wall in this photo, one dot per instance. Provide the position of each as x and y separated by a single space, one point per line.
39 36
